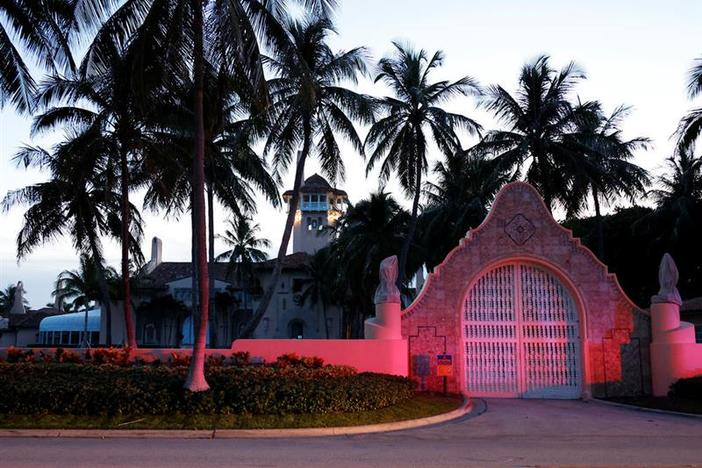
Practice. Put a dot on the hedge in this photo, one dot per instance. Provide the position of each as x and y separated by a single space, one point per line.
88 389
690 388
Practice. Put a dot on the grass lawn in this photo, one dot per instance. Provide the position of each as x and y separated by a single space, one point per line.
664 403
422 405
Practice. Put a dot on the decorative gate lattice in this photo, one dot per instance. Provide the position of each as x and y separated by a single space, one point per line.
521 335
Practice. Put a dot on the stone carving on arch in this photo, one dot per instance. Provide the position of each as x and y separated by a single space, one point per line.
519 226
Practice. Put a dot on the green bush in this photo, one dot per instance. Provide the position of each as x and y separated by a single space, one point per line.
85 389
690 389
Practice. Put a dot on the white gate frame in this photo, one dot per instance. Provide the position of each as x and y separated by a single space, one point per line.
559 273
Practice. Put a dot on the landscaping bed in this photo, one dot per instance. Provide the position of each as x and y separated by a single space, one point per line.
106 389
685 396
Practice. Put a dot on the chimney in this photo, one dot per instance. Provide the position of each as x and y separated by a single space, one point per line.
156 254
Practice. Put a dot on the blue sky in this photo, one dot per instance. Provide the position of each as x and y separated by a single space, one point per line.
634 52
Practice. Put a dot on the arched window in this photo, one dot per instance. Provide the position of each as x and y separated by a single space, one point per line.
297 329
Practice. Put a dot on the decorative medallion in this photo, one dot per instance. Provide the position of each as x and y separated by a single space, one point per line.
520 229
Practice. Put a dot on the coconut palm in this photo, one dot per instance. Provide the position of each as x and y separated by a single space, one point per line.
606 172
7 299
245 250
458 200
103 100
319 288
80 289
370 231
691 124
41 29
413 118
77 201
310 106
538 117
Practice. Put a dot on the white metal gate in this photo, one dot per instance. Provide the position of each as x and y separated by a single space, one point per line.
522 335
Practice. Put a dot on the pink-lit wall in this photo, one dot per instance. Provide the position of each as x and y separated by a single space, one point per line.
674 353
383 356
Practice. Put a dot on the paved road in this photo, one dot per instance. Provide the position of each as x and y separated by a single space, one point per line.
509 433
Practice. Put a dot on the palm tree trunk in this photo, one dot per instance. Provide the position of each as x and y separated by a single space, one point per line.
599 225
282 251
126 221
404 253
104 291
326 323
195 381
211 261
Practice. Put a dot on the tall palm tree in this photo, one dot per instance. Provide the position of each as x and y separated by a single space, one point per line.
103 100
691 124
233 172
606 171
245 249
458 200
310 105
77 200
370 231
538 118
42 30
414 118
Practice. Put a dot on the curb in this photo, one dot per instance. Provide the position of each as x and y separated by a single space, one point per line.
646 409
465 409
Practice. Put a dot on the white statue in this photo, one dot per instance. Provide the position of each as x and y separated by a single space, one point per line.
387 291
18 304
668 279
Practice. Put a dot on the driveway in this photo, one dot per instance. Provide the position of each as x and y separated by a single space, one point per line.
508 433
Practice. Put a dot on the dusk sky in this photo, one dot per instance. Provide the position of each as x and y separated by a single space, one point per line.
634 52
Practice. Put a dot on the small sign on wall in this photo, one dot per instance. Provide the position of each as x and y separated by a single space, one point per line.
444 365
421 365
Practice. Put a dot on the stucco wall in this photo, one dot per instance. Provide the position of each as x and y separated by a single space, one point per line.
519 227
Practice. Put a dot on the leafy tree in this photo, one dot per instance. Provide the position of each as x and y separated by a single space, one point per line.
413 118
539 118
465 186
310 106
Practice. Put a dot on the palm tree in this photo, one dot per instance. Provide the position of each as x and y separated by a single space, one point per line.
309 106
7 299
371 230
691 124
233 172
466 184
319 288
245 250
41 29
679 196
538 119
605 171
77 200
413 119
79 289
103 100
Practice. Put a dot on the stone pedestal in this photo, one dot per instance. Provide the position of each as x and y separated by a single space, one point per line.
386 325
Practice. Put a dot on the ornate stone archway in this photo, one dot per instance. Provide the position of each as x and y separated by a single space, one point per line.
613 333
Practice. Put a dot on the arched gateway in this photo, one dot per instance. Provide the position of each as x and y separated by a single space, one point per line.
521 309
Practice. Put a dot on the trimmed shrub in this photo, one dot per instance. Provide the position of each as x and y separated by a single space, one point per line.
84 389
689 389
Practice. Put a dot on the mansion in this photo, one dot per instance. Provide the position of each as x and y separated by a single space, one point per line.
162 298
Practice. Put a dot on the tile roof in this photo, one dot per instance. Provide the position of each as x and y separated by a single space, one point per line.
316 183
31 318
167 272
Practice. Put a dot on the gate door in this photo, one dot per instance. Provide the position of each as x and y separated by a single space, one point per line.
522 335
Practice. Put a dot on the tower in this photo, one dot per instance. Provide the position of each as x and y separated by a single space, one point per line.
320 205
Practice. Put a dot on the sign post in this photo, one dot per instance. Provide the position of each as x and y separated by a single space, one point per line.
444 367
